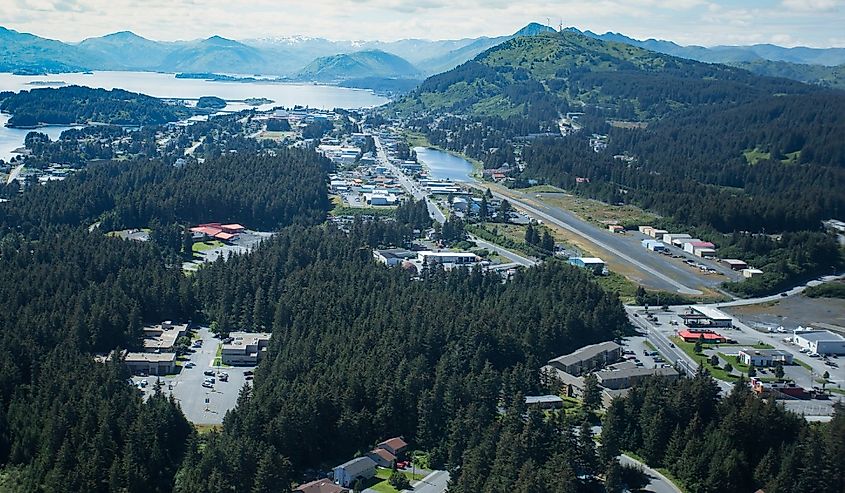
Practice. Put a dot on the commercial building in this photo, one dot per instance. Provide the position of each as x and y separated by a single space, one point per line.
594 264
628 377
588 358
393 256
657 233
348 473
455 258
820 341
653 245
706 336
245 348
151 363
705 316
735 264
162 338
646 230
544 401
693 246
764 357
321 486
749 273
218 231
670 238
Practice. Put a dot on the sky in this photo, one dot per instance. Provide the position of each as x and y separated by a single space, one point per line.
817 23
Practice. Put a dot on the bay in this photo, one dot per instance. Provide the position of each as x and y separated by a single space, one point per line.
168 86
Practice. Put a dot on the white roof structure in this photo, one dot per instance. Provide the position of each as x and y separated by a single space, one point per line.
711 313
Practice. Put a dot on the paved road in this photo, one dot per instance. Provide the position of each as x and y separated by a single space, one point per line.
658 483
436 482
513 257
778 296
411 187
646 261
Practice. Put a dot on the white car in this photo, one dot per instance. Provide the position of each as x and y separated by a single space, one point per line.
814 355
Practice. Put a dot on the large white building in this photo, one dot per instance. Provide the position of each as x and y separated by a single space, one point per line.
820 341
245 348
454 258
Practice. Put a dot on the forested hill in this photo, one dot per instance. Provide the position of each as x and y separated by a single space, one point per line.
76 104
550 73
265 193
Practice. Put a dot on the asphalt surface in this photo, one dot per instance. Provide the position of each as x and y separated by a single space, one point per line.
661 274
513 257
658 483
436 482
411 187
188 391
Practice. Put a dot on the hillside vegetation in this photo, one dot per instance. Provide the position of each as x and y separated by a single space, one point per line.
76 104
553 72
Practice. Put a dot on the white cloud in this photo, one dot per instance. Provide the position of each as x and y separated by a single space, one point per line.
811 22
812 5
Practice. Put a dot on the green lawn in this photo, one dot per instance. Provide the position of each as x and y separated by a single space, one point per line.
716 371
380 483
201 246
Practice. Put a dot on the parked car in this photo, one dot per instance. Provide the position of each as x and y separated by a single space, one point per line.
208 385
143 383
209 373
249 373
224 377
210 380
190 364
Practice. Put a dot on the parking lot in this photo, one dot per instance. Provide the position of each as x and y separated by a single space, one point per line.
245 242
186 387
664 324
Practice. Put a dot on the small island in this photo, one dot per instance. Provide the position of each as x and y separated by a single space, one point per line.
258 101
211 103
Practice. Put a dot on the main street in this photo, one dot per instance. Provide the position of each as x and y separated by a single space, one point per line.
413 188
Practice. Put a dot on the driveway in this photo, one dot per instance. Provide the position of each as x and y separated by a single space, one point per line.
658 483
435 482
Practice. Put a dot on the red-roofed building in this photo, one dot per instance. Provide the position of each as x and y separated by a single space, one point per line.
395 445
320 486
232 228
225 236
209 231
707 336
382 457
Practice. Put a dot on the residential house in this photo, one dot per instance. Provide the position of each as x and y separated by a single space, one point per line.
382 457
348 473
395 446
321 486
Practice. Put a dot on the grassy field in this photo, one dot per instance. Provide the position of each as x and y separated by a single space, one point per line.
598 212
717 372
203 429
201 246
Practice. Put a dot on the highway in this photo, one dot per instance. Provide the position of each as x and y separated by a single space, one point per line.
643 259
513 257
778 296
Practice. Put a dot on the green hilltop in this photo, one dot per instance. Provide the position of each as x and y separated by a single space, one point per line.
555 71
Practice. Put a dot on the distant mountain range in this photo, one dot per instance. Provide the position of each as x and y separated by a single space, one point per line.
324 60
822 66
371 63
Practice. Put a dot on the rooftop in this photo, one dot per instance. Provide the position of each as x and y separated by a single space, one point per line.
586 352
542 399
635 372
150 357
820 335
395 443
356 466
711 313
